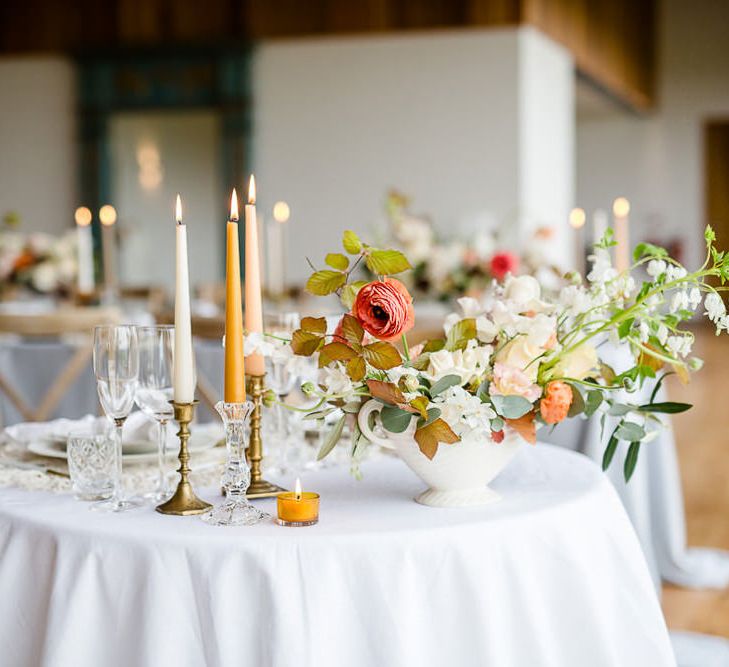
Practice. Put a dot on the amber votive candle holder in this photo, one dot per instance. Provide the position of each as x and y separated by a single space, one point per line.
300 509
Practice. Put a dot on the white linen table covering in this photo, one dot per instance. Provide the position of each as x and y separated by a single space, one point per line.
551 576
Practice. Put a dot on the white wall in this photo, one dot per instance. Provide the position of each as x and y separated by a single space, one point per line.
656 160
187 145
440 116
37 141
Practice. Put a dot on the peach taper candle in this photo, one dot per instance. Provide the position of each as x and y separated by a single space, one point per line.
235 388
254 307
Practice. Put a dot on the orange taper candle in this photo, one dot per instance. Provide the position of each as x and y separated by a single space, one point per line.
235 387
254 308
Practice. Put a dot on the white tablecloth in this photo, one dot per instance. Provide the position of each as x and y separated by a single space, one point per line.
552 576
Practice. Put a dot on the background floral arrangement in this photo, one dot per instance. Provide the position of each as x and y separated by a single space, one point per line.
448 268
39 262
514 360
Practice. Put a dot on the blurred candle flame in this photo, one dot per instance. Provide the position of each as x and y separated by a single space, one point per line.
178 210
297 489
577 218
82 216
252 190
621 207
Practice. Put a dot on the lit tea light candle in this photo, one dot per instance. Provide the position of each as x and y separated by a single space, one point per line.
297 507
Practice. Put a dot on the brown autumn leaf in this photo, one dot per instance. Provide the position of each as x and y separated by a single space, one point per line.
428 437
421 405
335 352
386 392
352 330
305 343
525 426
682 372
356 369
646 359
382 356
314 324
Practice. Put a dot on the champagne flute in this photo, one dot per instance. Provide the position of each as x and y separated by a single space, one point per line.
154 390
116 366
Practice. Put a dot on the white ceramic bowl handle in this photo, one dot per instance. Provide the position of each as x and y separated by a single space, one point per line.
363 419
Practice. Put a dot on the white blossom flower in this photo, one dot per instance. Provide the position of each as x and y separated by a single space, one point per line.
44 277
662 333
656 268
470 306
256 342
715 307
464 412
644 331
679 345
674 272
694 297
336 380
575 299
679 301
602 269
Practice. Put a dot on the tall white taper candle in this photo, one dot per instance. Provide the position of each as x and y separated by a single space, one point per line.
183 375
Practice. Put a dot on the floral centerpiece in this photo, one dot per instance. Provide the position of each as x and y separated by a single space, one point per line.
445 268
457 408
36 262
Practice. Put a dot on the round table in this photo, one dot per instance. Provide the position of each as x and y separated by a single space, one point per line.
551 575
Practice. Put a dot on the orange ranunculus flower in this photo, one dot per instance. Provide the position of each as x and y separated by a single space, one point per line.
556 403
384 308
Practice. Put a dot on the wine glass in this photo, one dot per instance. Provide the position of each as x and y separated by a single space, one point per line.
154 390
116 366
280 379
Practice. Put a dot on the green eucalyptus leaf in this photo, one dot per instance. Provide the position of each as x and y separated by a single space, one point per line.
511 407
444 383
594 400
609 453
631 459
630 431
394 419
618 410
332 438
667 407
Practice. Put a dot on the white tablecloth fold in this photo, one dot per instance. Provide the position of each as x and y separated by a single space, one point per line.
552 576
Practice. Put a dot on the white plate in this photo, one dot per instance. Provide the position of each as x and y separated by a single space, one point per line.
199 440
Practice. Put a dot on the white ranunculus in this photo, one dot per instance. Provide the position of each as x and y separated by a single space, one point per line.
578 364
538 329
522 289
467 364
44 277
470 306
522 354
486 330
450 321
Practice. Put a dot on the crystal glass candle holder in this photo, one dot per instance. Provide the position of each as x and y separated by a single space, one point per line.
236 510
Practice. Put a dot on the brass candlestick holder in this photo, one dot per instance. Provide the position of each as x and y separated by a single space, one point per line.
184 502
259 487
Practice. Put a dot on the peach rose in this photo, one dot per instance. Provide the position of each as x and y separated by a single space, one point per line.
384 308
510 381
556 402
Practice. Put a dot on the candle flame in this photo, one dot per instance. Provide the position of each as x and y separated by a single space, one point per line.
178 210
234 206
252 190
577 218
107 215
621 207
297 489
281 211
82 216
